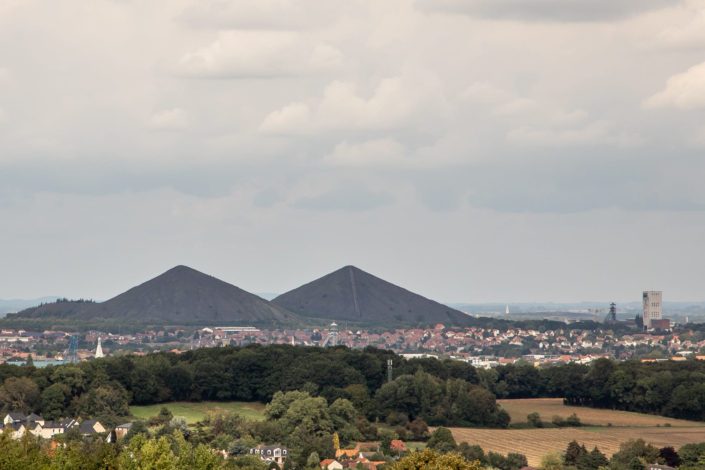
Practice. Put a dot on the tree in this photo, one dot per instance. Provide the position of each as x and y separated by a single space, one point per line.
551 461
54 401
670 456
336 441
472 453
573 420
313 460
20 394
535 420
137 428
30 361
360 398
430 460
636 464
73 434
557 421
419 429
592 461
164 415
573 452
238 447
440 436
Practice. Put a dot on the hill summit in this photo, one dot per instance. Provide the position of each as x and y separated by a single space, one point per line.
186 295
354 295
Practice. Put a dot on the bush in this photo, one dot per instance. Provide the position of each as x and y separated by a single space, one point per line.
558 421
419 430
573 420
535 420
441 436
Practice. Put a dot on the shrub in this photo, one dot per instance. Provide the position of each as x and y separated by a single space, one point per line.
535 420
573 420
558 421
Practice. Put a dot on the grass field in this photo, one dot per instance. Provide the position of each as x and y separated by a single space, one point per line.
548 407
194 412
535 442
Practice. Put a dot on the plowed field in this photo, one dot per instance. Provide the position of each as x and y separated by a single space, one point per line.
535 442
548 407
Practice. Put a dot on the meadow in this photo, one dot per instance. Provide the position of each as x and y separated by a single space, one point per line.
194 412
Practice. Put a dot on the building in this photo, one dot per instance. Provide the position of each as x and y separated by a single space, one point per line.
276 454
122 430
331 464
652 302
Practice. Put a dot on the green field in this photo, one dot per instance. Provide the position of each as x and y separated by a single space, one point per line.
194 412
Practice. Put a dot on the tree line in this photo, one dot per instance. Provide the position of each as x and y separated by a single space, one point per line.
441 392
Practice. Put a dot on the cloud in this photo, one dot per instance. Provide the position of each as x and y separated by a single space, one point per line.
569 119
385 152
252 54
683 91
516 107
169 120
350 196
546 10
266 14
267 198
485 92
395 103
690 35
596 133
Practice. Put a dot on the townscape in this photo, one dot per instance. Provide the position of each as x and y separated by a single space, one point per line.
483 347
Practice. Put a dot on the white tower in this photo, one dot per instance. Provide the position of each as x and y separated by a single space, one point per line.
99 350
652 307
507 312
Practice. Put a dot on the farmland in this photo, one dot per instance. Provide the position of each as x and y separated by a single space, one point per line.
194 412
535 442
609 428
548 407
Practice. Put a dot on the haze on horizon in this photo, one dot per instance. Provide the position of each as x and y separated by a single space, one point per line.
467 150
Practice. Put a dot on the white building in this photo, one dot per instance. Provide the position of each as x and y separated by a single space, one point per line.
652 307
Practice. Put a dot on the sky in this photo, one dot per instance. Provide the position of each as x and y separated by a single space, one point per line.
468 150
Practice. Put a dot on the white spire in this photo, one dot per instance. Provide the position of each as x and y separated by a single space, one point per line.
99 350
507 312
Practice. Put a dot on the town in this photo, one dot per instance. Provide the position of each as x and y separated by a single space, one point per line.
482 347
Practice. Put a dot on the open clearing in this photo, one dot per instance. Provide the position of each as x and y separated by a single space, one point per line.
548 407
194 412
535 442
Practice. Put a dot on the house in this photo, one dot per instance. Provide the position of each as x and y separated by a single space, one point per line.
48 429
121 430
14 418
276 454
346 453
331 464
69 423
398 445
17 428
90 426
35 418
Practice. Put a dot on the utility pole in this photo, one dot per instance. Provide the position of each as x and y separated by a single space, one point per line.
389 370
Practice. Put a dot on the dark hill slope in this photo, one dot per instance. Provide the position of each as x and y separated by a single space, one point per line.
58 309
352 294
183 294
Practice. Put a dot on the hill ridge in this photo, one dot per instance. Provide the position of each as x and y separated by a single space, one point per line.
350 293
183 293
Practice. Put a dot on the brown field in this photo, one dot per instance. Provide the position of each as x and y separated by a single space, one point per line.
535 442
548 407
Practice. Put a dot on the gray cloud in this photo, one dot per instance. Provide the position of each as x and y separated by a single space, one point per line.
547 10
349 196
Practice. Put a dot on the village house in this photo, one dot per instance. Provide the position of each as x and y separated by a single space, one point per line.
276 454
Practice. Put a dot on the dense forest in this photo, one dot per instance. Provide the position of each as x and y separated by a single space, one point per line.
439 392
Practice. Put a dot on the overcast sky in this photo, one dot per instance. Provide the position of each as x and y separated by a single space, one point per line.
468 150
